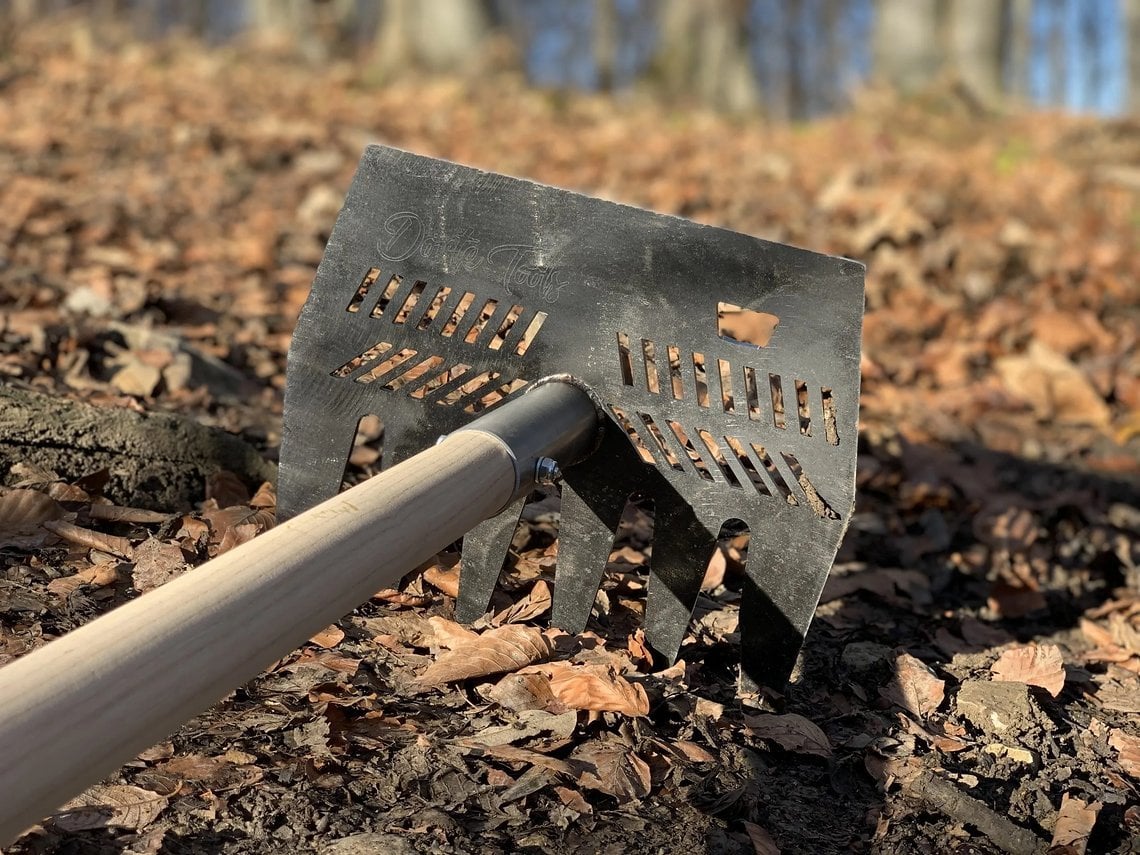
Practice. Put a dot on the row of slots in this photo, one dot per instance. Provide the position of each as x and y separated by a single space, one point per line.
675 368
424 381
414 309
736 464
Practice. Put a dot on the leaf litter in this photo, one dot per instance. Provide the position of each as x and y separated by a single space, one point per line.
972 678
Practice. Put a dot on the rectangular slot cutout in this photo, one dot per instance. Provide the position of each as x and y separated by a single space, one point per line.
830 431
779 418
377 350
774 474
492 398
674 355
694 456
485 315
638 443
416 372
746 464
389 292
531 333
751 395
649 351
439 381
815 501
625 362
724 368
701 380
387 365
803 408
471 386
457 314
410 303
361 292
745 326
718 457
500 337
432 310
668 453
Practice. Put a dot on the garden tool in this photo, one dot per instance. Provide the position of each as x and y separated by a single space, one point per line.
727 369
508 335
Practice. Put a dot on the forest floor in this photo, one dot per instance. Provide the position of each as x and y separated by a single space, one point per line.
971 682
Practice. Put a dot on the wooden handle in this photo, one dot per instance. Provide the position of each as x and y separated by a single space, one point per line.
77 709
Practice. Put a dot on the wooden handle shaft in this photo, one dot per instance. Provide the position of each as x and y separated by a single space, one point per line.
78 708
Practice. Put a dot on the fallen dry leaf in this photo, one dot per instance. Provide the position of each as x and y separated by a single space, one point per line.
497 651
714 572
524 692
790 731
1127 751
449 634
613 769
328 637
156 563
443 579
1054 387
85 537
97 576
1075 823
599 688
21 514
537 602
761 840
109 806
914 686
1036 665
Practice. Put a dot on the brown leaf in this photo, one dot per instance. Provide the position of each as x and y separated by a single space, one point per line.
497 651
443 579
524 692
328 637
449 634
761 840
1054 387
109 806
536 602
914 686
230 527
226 772
156 563
21 514
614 769
791 732
85 537
1075 823
1036 665
714 572
97 576
1127 751
594 687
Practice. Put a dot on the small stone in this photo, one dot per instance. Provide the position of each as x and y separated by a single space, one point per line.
997 707
369 843
861 657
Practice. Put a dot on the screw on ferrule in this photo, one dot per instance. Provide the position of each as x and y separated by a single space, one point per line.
546 471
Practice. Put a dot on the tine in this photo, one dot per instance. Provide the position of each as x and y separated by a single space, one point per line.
585 538
484 551
784 579
314 452
682 546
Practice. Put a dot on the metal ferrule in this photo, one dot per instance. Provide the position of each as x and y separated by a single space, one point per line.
557 418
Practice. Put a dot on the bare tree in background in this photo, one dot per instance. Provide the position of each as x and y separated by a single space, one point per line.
1132 21
703 51
905 42
443 36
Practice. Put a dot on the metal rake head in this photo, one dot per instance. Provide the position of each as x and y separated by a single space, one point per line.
728 367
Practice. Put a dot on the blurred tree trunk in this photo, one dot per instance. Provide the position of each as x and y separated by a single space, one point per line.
605 43
975 51
444 36
1132 21
917 40
905 47
1018 20
703 50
